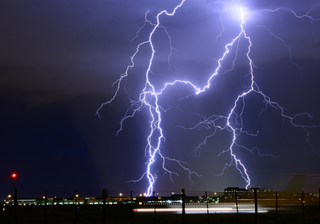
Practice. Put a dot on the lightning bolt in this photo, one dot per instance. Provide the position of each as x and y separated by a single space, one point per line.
307 15
232 121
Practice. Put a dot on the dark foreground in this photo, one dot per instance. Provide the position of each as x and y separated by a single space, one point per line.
122 214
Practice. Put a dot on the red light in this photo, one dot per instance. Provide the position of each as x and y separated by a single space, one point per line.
14 175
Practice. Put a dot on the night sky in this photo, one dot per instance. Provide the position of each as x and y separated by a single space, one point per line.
59 59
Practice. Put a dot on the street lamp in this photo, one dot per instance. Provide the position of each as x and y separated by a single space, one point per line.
9 199
76 199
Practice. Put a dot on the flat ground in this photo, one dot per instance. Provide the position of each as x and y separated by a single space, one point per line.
122 214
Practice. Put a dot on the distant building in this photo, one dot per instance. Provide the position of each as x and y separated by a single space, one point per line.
242 193
230 192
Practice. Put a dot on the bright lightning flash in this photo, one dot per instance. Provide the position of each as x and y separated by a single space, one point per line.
149 100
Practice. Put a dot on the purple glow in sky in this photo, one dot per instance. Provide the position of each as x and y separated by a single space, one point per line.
59 60
150 96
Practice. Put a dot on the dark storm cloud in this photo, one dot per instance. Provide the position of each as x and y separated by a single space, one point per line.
70 39
53 47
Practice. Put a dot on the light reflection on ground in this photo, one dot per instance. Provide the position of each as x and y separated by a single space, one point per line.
194 209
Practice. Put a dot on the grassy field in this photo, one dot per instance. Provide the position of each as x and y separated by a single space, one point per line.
122 214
